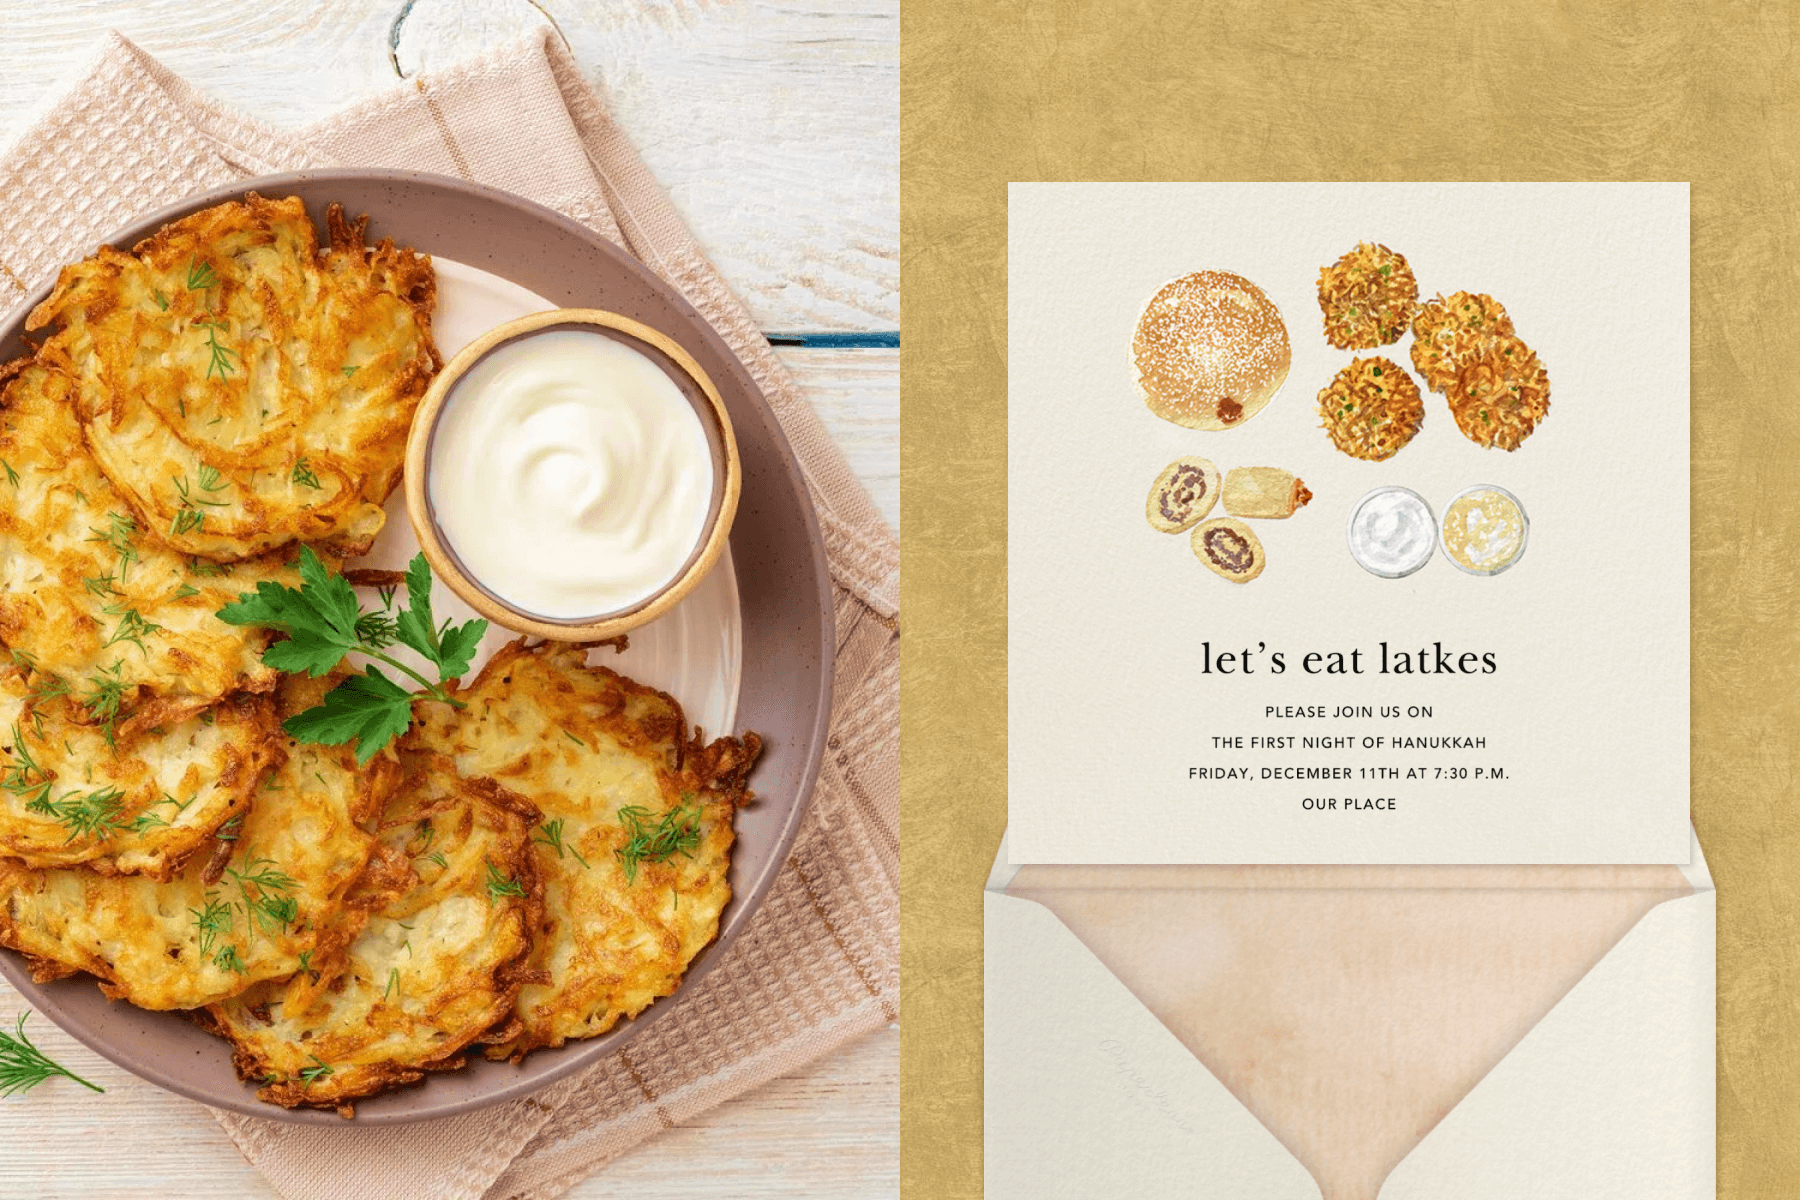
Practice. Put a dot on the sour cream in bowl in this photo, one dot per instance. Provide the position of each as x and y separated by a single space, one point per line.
572 474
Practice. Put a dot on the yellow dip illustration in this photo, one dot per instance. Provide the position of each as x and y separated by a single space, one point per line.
1484 530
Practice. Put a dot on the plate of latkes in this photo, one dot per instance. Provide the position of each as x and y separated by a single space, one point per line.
228 865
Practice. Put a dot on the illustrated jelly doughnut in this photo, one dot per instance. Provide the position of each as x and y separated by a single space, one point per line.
1210 350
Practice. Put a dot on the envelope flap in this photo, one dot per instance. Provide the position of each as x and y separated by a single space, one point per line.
1087 1093
1611 1094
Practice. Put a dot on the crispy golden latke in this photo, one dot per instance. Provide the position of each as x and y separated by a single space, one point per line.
635 837
267 902
1501 394
1448 331
454 897
242 387
1368 298
85 596
1371 409
141 805
1466 349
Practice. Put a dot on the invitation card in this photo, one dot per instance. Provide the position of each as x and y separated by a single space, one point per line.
1348 523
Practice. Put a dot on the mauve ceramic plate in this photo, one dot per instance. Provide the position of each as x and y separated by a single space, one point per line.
781 580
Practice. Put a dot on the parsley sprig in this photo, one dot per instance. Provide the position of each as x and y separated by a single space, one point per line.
23 1066
324 624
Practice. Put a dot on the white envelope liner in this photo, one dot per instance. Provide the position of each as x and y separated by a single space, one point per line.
694 651
1609 1097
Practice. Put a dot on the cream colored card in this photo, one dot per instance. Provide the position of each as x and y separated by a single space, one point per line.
1161 713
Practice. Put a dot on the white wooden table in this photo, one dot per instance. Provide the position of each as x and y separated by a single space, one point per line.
775 127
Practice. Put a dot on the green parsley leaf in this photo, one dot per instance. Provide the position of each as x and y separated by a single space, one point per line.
451 648
324 623
369 708
319 617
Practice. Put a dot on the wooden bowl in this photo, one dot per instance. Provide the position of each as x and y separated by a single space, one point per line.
693 383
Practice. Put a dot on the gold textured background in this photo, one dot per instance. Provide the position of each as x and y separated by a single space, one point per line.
1279 89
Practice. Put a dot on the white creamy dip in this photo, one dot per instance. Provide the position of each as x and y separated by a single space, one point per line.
1392 533
570 475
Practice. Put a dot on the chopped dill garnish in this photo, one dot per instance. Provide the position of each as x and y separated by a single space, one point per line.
100 585
25 778
219 355
266 895
44 688
314 1074
574 739
12 476
303 476
392 983
211 921
377 629
106 691
133 628
551 834
677 832
87 814
440 860
200 276
207 569
117 535
162 301
148 820
499 885
229 831
189 516
23 1066
228 959
349 371
186 590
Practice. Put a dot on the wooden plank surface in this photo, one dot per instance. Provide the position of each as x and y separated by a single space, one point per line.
774 127
829 1131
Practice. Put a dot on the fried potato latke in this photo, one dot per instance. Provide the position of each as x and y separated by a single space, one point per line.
1448 331
636 830
1466 349
85 596
272 899
1371 409
139 805
454 896
1501 394
242 387
1368 297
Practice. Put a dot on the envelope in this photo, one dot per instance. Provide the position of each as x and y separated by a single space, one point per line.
1350 1033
